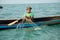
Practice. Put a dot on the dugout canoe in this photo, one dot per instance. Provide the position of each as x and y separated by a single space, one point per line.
37 21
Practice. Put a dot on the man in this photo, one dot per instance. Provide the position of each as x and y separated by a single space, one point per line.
28 16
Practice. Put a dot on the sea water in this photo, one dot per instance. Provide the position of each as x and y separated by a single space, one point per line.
13 11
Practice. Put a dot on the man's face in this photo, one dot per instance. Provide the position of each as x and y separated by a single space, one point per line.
28 10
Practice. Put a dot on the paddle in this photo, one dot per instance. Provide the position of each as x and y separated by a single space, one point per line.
37 28
13 22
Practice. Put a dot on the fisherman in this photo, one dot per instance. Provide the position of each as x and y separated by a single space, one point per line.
28 16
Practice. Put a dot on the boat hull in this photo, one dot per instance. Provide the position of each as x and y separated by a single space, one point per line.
25 25
37 22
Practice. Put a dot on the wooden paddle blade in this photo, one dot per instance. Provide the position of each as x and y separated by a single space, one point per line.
12 23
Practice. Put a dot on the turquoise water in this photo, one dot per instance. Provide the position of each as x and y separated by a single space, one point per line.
11 11
46 33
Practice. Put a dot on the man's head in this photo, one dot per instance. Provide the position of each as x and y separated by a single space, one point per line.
28 9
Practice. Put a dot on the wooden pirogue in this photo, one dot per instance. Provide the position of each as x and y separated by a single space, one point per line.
37 21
